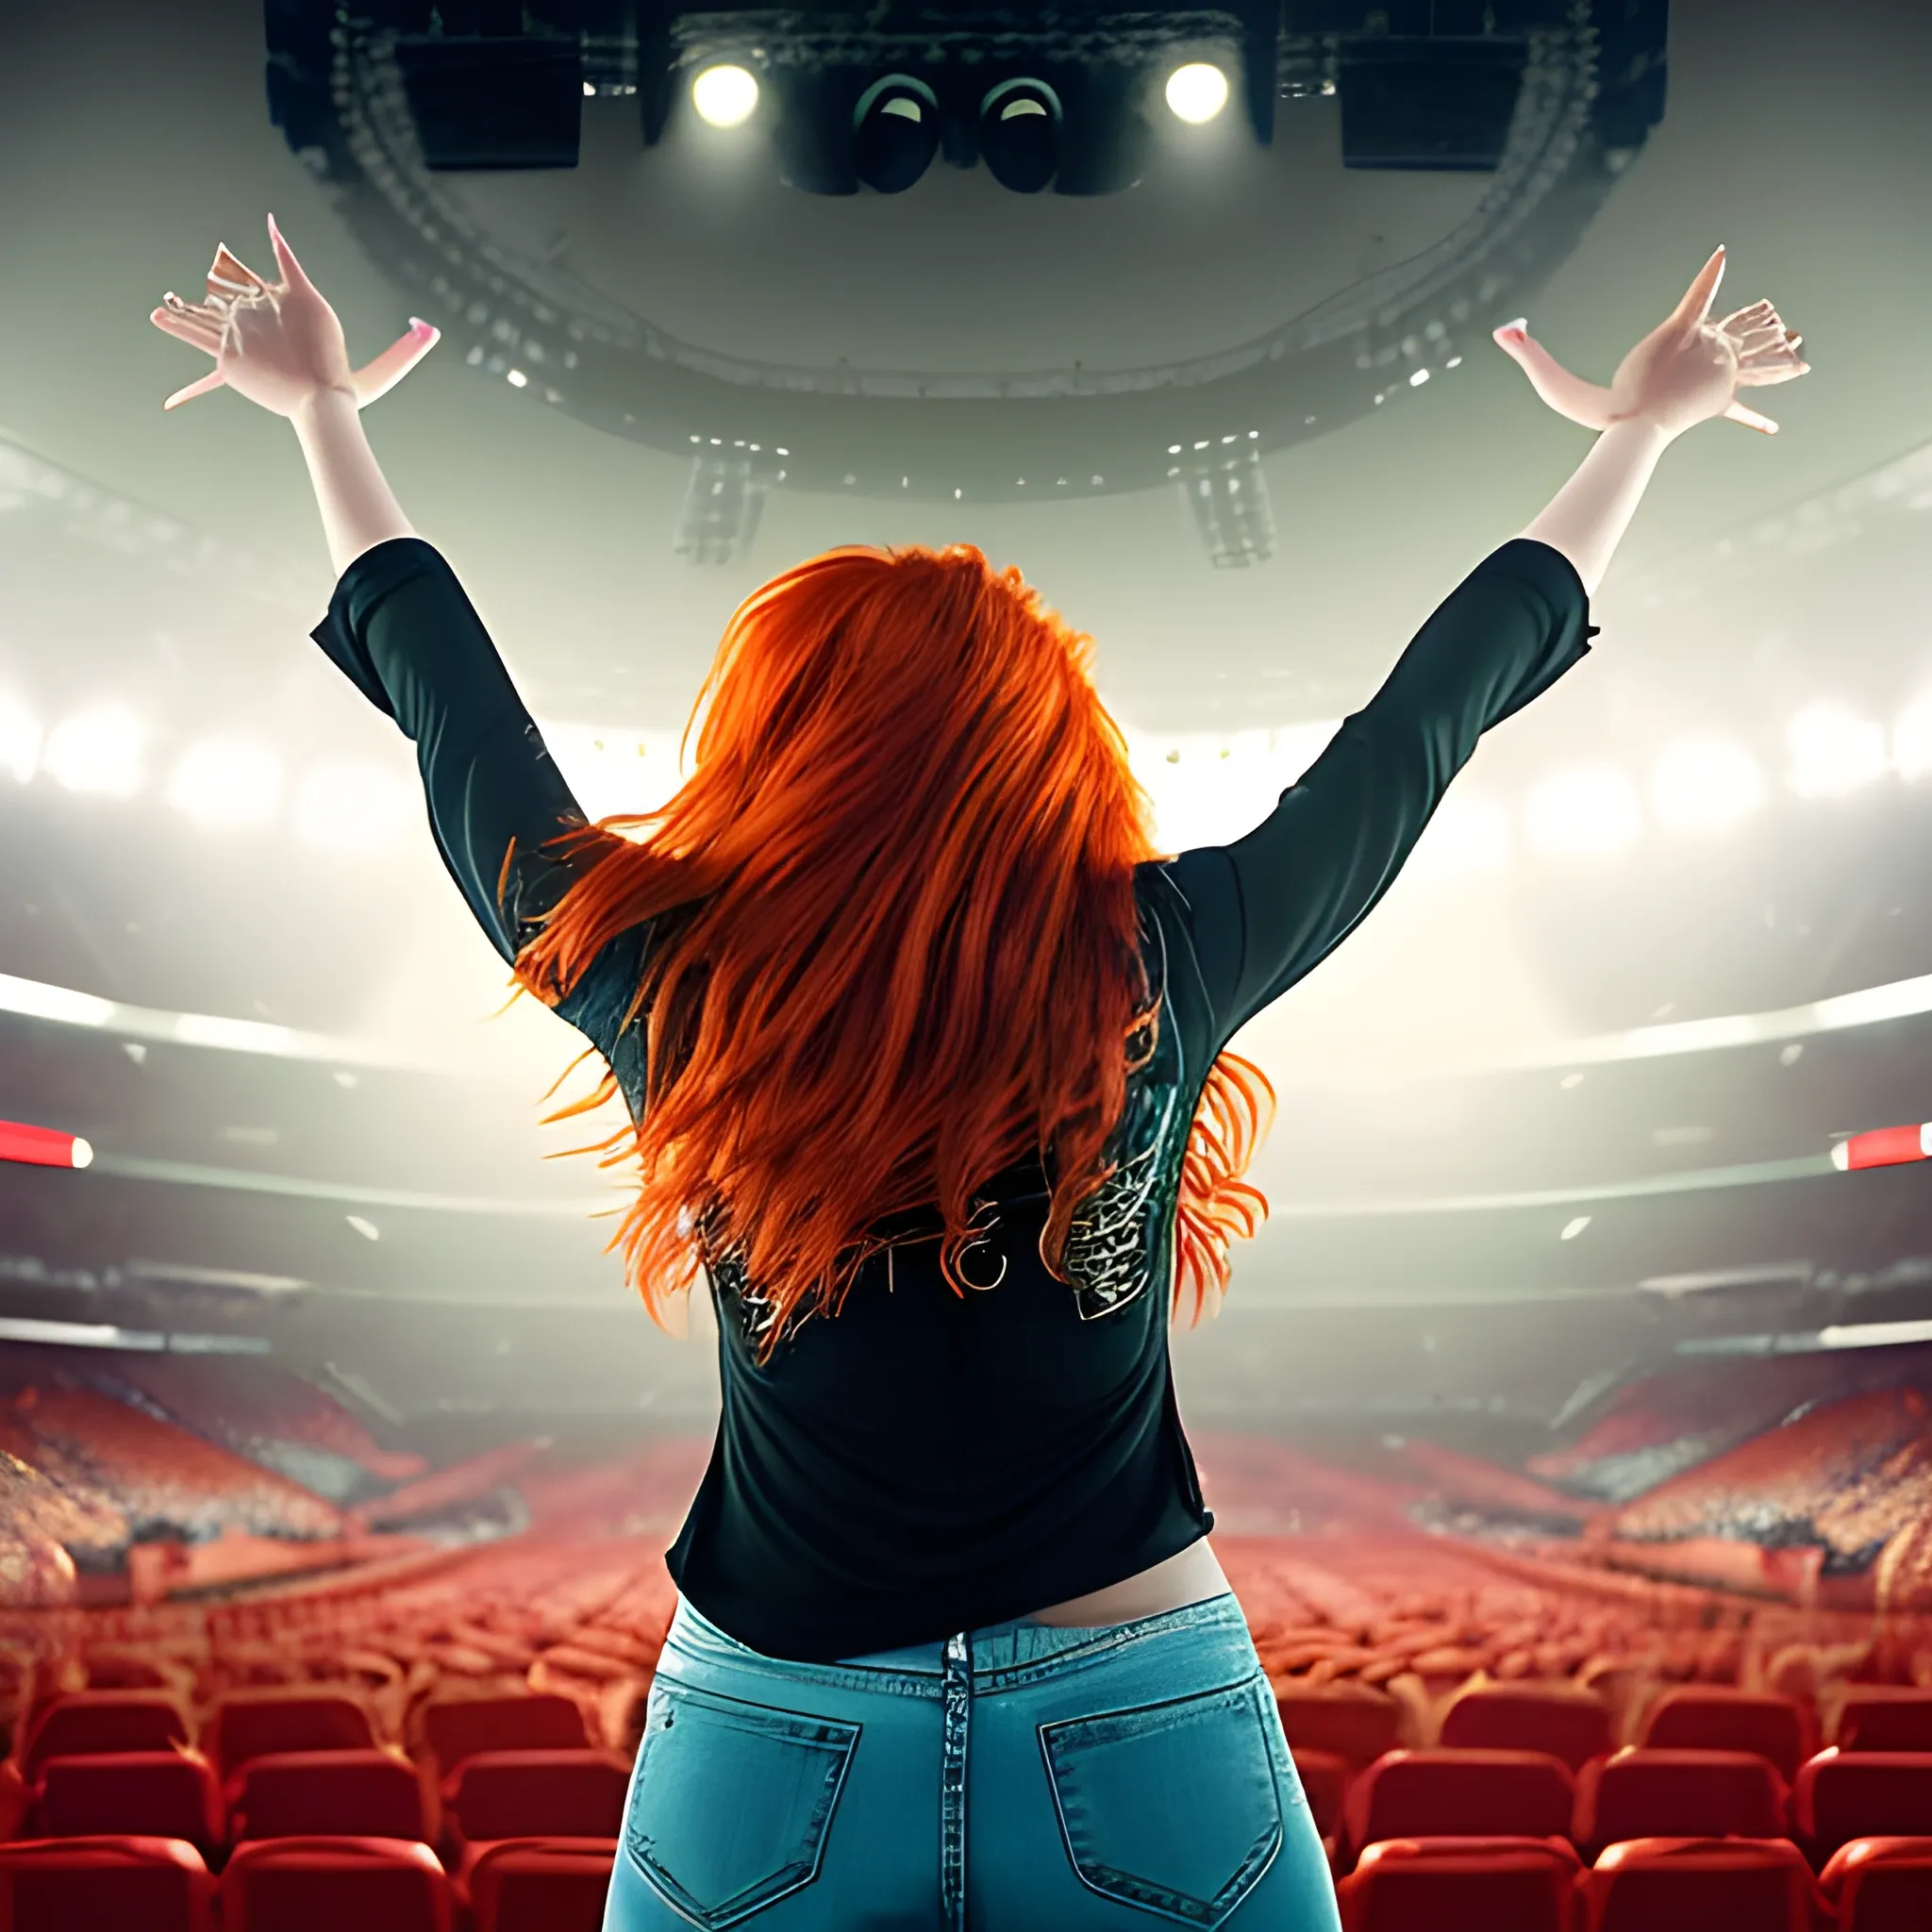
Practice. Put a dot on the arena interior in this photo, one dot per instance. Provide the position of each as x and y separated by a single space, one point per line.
1569 1427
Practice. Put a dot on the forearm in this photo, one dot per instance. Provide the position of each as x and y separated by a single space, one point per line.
358 509
1587 518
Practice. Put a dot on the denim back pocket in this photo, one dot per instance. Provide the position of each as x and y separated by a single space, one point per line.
730 1803
1174 1806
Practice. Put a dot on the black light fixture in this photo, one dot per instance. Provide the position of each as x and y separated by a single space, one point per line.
1106 140
1020 134
815 135
895 132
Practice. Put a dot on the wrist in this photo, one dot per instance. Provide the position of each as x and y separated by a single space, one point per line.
322 403
1637 426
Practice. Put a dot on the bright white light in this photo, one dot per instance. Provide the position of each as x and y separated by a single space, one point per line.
19 739
98 752
1468 834
1197 92
1834 751
1573 1227
355 807
613 769
227 783
1705 785
724 96
1208 787
1590 813
1911 739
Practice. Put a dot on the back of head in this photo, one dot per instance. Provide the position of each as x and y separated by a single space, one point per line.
896 946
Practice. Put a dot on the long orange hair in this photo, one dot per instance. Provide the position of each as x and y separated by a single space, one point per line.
897 948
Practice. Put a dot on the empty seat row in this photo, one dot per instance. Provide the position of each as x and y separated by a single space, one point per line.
1634 1793
246 1725
301 1885
1646 1885
374 1793
1575 1725
557 1885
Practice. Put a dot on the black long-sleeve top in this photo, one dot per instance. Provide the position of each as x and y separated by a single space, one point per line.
924 1461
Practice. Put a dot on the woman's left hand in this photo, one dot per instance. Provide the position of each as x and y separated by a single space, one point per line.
1685 371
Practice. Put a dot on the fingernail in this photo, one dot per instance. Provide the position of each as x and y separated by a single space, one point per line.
1521 323
419 327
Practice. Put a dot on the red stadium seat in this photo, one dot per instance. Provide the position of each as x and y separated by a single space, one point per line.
1707 1717
456 1729
499 1794
1355 1725
1701 1885
1840 1795
76 1884
1569 1725
254 1723
1460 1794
540 1884
1643 1792
335 1884
316 1793
1324 1780
1880 1884
1885 1717
1462 1885
16 1800
83 1722
148 1793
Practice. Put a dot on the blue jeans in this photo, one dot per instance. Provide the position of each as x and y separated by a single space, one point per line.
1020 1778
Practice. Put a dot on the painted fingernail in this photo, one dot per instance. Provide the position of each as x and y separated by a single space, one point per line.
419 327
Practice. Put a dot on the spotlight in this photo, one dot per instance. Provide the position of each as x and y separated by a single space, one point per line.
1834 751
1705 785
98 752
227 783
1020 135
1197 92
724 96
1590 812
896 133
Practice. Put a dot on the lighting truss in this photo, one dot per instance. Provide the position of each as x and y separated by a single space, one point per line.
1588 83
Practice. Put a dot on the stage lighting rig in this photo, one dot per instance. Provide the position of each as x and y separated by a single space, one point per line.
1553 99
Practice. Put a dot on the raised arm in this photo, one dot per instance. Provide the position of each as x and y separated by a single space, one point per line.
399 625
1268 908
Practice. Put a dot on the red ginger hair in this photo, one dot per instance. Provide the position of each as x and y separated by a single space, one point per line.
897 950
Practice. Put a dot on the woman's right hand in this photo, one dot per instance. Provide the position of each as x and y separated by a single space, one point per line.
1685 371
279 344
